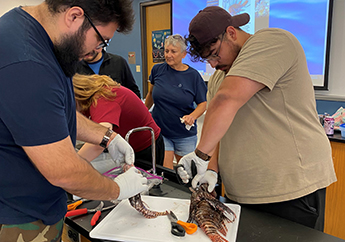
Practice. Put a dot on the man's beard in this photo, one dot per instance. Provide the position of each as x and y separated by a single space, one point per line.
90 59
234 51
69 51
220 67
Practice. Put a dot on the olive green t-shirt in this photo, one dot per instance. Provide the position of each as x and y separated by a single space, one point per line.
275 149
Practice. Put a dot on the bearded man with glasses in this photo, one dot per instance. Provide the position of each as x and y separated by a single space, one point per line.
39 124
98 61
261 131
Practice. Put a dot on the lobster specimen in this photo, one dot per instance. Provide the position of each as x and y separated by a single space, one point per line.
209 213
138 204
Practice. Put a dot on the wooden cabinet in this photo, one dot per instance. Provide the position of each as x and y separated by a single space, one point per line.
335 195
70 235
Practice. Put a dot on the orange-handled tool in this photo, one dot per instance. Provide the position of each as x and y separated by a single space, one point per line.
190 228
74 205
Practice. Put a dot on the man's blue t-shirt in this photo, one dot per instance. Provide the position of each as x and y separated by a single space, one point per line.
175 94
95 66
37 107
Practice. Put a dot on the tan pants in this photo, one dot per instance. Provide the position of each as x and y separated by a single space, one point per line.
31 232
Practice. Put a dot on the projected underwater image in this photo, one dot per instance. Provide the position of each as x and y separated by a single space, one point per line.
306 19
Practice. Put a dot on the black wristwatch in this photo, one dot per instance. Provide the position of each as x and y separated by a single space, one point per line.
106 138
202 155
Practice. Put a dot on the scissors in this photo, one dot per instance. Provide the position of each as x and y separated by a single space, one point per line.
179 227
176 229
193 170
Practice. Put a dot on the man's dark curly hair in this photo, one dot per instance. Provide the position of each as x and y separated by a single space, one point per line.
197 51
100 11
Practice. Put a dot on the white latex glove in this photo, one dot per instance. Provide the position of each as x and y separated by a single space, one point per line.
120 151
210 177
131 183
185 172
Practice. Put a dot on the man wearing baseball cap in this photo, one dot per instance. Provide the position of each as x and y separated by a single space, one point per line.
261 131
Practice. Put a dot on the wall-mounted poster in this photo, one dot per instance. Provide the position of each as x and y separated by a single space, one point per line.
158 38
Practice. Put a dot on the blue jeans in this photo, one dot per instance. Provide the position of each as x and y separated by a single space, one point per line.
181 146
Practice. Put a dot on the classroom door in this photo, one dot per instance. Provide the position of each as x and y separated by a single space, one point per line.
155 15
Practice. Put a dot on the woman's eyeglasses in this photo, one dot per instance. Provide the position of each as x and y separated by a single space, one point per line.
176 36
104 43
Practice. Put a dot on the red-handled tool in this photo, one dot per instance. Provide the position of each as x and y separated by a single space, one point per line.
78 212
95 217
96 210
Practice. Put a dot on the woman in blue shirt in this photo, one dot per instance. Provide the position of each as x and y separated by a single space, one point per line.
178 93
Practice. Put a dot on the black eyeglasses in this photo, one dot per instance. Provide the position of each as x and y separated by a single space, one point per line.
215 57
104 43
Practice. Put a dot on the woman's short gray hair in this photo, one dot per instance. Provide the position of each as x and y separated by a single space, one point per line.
174 39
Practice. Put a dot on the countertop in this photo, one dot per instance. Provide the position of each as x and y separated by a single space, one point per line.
254 226
336 137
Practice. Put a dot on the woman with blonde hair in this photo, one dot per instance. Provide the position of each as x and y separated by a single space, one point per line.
107 102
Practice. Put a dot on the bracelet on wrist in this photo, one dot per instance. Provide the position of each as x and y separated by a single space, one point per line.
202 155
106 138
